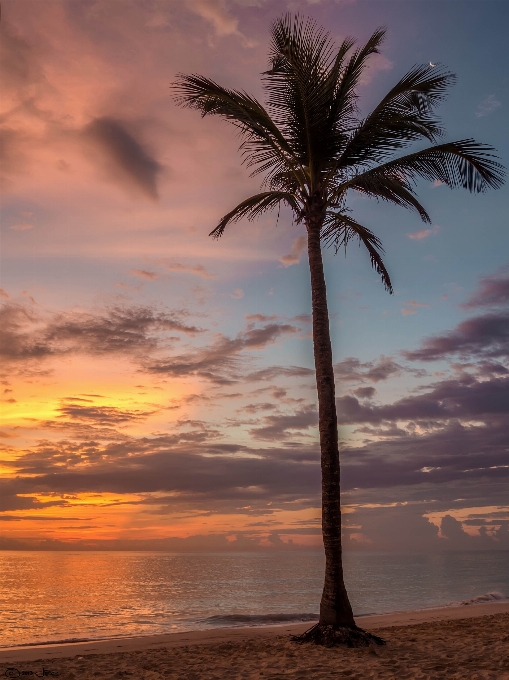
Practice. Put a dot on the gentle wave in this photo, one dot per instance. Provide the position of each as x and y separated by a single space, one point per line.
52 642
256 619
495 596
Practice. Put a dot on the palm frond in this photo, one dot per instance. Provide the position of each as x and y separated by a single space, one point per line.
390 187
263 141
254 206
345 100
339 229
300 55
466 163
403 116
301 86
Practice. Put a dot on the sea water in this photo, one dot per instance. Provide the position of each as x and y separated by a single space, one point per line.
56 596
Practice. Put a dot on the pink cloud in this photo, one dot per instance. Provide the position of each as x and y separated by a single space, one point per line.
424 233
411 307
293 257
492 291
216 13
376 63
198 269
143 274
25 226
413 303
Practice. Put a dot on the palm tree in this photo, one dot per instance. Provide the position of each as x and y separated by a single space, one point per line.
313 149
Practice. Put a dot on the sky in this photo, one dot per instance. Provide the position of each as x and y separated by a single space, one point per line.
157 386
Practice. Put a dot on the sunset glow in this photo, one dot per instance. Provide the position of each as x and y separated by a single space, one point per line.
157 386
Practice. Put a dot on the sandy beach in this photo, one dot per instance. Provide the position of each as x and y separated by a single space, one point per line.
461 642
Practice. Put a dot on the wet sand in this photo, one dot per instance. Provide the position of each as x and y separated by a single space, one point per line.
462 642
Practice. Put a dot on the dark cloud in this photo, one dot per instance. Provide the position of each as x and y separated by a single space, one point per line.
394 528
219 542
272 372
462 398
365 392
456 434
10 500
484 336
223 354
493 291
25 334
116 330
19 337
455 454
129 161
353 370
103 415
278 427
218 478
255 408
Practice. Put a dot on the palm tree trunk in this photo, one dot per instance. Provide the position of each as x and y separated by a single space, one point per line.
335 608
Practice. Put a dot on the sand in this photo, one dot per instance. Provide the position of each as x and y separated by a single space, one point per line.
462 642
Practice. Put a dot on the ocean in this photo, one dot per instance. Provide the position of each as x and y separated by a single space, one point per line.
57 596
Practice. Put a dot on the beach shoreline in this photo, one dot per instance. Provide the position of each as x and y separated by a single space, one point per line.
143 643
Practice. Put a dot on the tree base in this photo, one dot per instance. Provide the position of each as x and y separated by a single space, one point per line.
330 636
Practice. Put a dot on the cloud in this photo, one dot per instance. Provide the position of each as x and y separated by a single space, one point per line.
261 317
483 336
19 336
424 233
365 392
493 291
115 330
222 355
487 106
375 64
26 334
216 542
353 370
215 12
411 308
198 269
102 415
237 294
293 257
4 294
278 427
254 408
413 303
128 161
143 274
17 60
463 398
445 462
193 474
272 372
24 226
